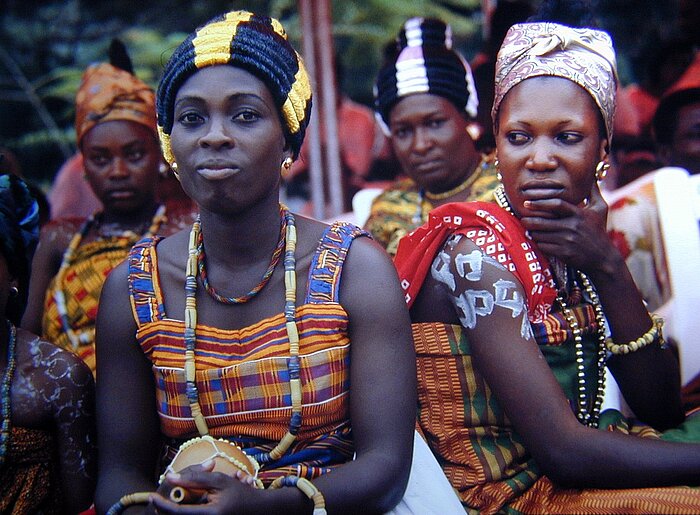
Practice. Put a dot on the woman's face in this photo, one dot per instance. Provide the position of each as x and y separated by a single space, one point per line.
549 141
227 139
430 140
121 160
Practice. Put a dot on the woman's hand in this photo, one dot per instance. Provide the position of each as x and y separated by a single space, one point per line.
206 491
574 234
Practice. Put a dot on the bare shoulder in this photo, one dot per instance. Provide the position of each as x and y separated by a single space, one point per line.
57 234
50 363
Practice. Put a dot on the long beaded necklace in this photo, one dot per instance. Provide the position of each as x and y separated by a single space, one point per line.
293 362
466 184
586 416
59 296
201 264
6 390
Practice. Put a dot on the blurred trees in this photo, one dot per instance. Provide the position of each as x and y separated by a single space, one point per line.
45 46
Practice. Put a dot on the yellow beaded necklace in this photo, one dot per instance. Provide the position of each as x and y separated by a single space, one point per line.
290 324
467 183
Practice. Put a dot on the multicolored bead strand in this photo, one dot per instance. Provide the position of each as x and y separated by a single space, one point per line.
289 241
201 263
6 390
59 297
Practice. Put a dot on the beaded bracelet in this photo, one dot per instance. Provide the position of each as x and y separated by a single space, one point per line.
644 340
307 488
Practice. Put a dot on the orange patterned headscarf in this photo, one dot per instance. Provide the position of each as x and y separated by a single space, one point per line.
109 93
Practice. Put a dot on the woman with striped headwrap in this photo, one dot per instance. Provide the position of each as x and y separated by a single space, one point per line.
241 328
116 134
520 307
47 436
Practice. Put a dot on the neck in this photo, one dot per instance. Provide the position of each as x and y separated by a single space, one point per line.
130 219
458 191
249 235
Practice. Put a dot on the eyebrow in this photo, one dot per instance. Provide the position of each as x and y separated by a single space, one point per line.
234 96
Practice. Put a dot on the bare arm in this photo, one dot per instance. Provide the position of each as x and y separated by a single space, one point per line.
45 265
382 404
127 422
74 416
520 378
649 378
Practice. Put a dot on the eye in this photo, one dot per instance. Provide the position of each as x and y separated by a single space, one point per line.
98 159
136 154
247 115
569 138
517 138
189 118
400 132
435 123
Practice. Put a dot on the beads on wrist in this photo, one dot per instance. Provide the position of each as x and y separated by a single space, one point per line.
307 488
646 339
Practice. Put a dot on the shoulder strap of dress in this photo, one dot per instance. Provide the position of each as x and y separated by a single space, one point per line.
327 263
146 302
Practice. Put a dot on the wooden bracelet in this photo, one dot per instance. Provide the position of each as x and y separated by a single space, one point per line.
646 339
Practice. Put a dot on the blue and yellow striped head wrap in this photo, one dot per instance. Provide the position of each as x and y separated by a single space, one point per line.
255 43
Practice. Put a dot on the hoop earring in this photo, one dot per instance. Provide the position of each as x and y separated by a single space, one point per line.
601 170
14 291
173 167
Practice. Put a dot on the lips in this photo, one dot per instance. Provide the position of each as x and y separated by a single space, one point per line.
121 194
542 189
217 170
428 166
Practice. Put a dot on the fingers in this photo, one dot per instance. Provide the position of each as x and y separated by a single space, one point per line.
166 506
548 208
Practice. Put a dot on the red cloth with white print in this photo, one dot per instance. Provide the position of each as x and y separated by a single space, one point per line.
497 233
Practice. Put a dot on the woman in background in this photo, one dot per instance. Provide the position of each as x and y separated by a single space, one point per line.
426 103
47 439
116 134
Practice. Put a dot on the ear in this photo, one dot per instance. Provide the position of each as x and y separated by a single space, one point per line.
604 149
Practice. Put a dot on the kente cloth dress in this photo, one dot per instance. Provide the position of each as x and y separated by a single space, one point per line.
81 285
402 208
482 456
29 479
242 374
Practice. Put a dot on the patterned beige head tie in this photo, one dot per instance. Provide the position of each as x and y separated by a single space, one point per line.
584 56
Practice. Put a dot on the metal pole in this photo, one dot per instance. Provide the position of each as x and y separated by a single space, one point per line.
318 200
328 106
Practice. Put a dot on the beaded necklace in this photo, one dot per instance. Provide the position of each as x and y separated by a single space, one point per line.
466 184
293 363
585 416
201 264
6 390
59 296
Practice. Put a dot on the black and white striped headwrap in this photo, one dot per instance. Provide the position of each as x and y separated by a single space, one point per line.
425 63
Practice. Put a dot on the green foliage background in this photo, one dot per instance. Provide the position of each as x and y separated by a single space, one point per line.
45 46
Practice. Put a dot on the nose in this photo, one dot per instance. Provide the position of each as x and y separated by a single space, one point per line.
541 158
119 168
422 141
216 134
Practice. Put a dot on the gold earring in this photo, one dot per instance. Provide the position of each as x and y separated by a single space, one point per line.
601 170
287 163
173 167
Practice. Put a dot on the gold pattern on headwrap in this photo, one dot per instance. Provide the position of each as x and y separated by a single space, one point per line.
584 56
212 45
108 93
259 45
294 108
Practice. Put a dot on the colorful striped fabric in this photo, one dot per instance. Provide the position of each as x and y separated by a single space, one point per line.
242 374
480 453
393 213
82 285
